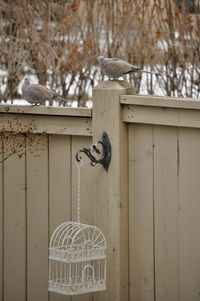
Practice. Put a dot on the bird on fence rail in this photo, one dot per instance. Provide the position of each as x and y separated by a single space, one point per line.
38 94
114 67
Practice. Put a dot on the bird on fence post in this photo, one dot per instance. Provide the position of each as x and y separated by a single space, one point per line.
114 67
37 94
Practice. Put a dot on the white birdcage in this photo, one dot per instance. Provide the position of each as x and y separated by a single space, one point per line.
77 257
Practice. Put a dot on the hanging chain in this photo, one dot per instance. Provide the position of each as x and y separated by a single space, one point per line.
79 165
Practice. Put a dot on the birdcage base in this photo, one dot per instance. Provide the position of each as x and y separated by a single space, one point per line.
66 287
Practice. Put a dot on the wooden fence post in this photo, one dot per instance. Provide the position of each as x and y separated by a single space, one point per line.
111 189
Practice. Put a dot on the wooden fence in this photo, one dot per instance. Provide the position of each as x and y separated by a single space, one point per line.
147 204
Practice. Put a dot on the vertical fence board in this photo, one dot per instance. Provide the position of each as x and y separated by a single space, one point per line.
14 226
1 221
86 177
141 257
37 222
59 180
166 214
59 187
189 212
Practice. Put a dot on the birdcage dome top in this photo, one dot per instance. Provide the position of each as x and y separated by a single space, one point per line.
72 241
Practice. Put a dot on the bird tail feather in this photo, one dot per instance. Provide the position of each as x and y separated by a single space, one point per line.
134 69
62 100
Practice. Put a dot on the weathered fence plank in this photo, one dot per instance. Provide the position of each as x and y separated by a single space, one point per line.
163 102
59 187
141 215
189 209
14 227
45 110
37 222
161 116
166 214
59 125
59 180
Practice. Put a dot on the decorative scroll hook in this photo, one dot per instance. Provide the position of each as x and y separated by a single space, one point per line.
104 151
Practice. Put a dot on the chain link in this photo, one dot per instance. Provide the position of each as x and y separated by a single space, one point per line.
79 165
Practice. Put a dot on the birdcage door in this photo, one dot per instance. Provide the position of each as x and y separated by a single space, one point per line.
88 273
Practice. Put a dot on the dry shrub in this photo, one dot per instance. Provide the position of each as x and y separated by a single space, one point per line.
60 42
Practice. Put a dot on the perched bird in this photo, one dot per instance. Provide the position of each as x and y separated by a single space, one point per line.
114 67
38 94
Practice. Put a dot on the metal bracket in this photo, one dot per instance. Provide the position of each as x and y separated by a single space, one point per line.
104 151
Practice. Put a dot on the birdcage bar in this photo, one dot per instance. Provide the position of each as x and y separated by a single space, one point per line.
70 273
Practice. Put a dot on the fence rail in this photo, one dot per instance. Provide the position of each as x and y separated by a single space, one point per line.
147 204
166 111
